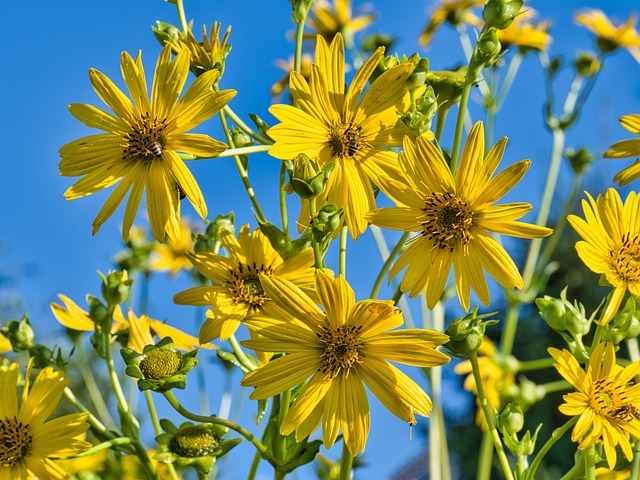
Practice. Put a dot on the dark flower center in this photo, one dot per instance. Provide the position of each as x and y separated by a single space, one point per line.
145 142
15 442
195 441
625 259
245 286
446 221
341 349
609 400
345 141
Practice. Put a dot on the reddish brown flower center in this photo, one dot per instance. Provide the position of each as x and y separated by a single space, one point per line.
15 442
446 221
146 140
245 286
342 349
625 259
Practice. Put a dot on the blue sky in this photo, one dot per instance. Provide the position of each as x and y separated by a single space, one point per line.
46 245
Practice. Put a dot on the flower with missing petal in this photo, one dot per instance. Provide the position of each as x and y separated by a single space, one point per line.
455 12
454 215
606 400
611 243
237 290
173 258
627 148
206 55
29 443
337 352
139 150
346 127
610 37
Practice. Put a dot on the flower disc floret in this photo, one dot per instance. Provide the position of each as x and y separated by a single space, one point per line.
16 441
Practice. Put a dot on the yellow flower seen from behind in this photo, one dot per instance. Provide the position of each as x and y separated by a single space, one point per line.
173 258
453 216
606 400
525 34
29 442
627 148
329 19
609 37
610 243
337 352
139 150
455 12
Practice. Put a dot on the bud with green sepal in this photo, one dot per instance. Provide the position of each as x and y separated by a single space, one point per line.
115 287
20 334
580 160
308 180
587 64
465 333
501 13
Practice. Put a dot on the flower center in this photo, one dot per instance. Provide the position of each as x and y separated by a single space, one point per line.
195 441
160 364
245 285
341 349
345 142
446 221
15 441
609 400
146 140
625 260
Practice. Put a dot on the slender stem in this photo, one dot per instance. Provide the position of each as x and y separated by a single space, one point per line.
486 457
173 401
254 466
538 364
182 16
508 336
97 397
244 127
279 448
317 254
489 417
397 295
557 386
555 436
441 117
468 52
96 426
297 56
346 463
390 258
240 355
152 412
282 179
590 463
244 150
145 461
635 464
123 406
509 77
244 175
342 258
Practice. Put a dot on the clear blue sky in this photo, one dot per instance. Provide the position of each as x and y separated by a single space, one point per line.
46 245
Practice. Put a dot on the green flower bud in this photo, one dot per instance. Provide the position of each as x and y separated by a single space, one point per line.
166 33
511 419
587 64
240 138
20 334
580 160
466 333
419 75
307 179
281 242
625 324
159 367
447 86
384 64
561 315
326 223
211 238
488 48
300 9
115 287
419 120
500 13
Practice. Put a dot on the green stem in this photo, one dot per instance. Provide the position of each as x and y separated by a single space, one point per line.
145 461
557 386
317 254
508 336
635 464
346 463
590 463
244 175
510 76
538 364
243 150
173 401
240 355
489 417
123 406
297 56
254 466
108 445
390 258
282 180
152 412
441 117
279 448
342 256
97 397
397 295
96 426
182 16
485 458
555 436
244 127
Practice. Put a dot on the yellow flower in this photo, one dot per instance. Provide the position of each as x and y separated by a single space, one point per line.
454 12
453 216
525 34
5 344
208 54
627 148
611 243
494 379
345 129
237 290
93 463
339 351
305 70
141 144
603 473
608 36
606 401
173 258
329 20
28 442
139 330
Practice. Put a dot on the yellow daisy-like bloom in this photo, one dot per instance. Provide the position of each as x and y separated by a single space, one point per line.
329 20
339 351
140 329
173 258
454 216
608 36
5 344
305 70
208 54
142 140
606 400
341 128
454 12
237 290
526 35
603 473
627 148
494 380
611 243
28 442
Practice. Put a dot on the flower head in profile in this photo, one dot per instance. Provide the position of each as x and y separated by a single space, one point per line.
139 150
330 19
454 215
138 331
173 258
287 66
610 243
495 379
237 289
606 400
29 442
207 55
337 352
455 12
627 148
345 127
610 37
525 34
